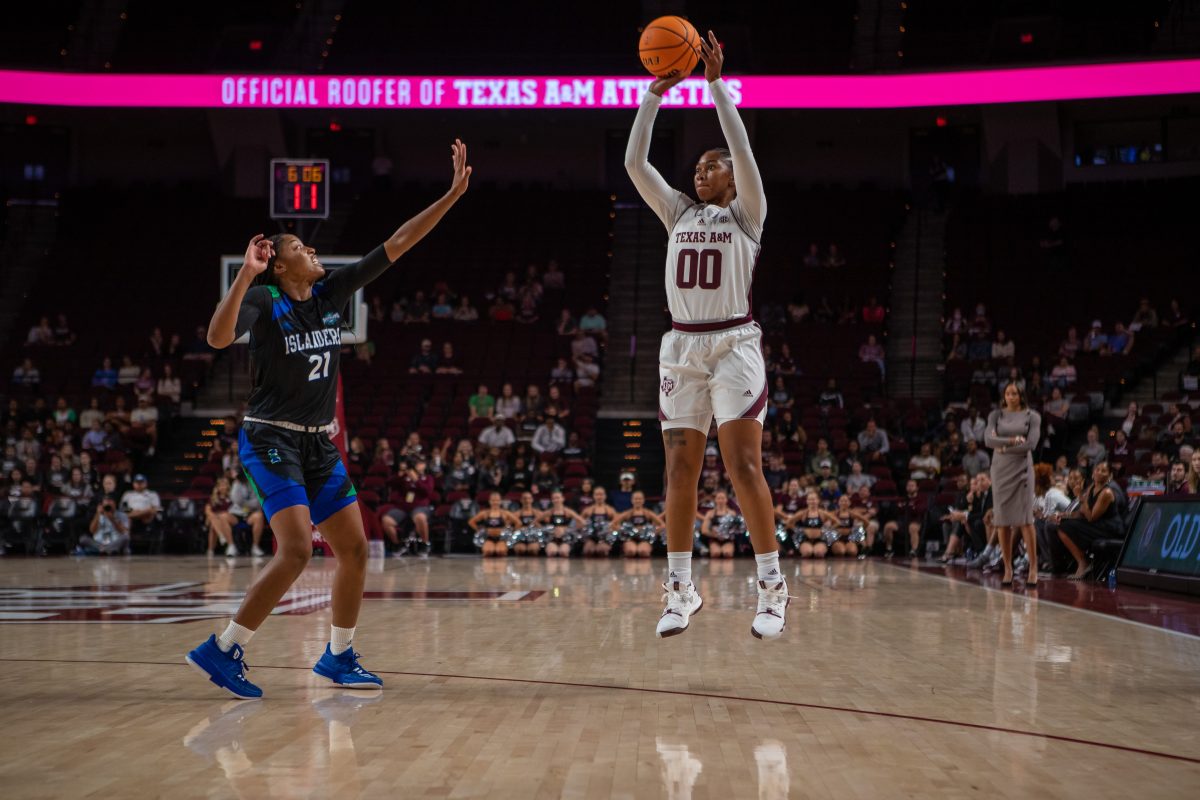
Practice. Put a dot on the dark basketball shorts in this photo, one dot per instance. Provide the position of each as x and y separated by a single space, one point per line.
289 468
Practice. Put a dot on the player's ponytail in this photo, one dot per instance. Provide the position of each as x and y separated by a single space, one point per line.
267 277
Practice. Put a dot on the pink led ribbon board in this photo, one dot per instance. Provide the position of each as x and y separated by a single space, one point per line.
978 87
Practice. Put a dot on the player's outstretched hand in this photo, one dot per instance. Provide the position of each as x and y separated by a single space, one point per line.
713 57
663 85
258 252
462 171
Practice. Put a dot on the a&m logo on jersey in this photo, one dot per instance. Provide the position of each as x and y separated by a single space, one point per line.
668 386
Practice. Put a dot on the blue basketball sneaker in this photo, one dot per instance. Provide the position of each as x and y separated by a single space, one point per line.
344 670
227 670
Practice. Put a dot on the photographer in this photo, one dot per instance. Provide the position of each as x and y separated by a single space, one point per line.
412 493
108 532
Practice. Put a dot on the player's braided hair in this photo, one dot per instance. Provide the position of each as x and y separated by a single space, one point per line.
726 156
267 277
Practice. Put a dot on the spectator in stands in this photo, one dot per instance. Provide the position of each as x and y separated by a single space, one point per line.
95 439
481 404
566 325
1120 448
562 374
499 435
128 374
174 346
143 421
1193 475
418 310
925 465
425 361
441 308
956 350
108 532
848 311
508 404
788 430
1121 341
63 336
1071 345
378 312
535 405
831 396
1130 422
1145 317
857 479
220 518
574 448
873 312
550 437
1174 317
77 488
545 481
1092 448
853 456
975 459
246 509
812 259
508 290
27 375
822 454
980 326
554 277
873 442
465 312
41 334
414 501
1063 375
90 473
785 364
834 258
168 387
622 497
527 307
141 505
956 325
776 472
144 385
1101 506
780 398
587 372
1177 483
384 454
973 426
199 349
1095 338
871 352
1003 347
1056 407
105 377
56 475
63 413
583 344
447 364
910 516
593 324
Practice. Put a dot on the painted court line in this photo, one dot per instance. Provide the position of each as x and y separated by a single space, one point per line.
678 693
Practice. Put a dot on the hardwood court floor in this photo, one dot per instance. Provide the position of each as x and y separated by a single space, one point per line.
548 682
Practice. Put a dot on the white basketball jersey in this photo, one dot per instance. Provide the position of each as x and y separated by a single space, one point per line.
711 256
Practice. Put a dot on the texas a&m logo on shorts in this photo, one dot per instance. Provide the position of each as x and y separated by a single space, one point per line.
668 386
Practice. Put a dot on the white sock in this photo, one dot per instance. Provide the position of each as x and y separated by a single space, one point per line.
768 566
339 639
679 567
234 634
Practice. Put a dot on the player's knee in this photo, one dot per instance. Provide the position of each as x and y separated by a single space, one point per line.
294 554
742 469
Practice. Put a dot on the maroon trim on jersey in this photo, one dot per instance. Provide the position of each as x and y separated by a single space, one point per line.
757 405
709 327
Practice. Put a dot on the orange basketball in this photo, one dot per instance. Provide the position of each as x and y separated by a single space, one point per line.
669 45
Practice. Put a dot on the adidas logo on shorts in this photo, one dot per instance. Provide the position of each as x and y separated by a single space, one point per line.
748 393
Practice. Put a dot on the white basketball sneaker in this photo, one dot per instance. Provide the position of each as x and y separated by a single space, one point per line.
773 601
682 601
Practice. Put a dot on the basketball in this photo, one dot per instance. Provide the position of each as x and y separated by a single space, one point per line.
669 45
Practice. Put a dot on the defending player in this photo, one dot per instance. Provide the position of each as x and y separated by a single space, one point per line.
711 362
294 313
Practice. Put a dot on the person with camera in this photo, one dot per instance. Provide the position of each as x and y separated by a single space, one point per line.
412 494
108 532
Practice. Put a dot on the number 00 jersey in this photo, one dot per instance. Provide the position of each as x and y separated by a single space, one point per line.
294 346
710 267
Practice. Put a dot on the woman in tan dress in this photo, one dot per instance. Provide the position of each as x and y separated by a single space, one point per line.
1013 431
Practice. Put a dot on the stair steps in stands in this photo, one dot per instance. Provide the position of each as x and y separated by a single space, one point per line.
631 443
914 346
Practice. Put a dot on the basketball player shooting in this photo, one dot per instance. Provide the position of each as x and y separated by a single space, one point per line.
710 362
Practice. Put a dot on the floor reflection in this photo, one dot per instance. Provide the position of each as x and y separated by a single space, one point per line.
680 768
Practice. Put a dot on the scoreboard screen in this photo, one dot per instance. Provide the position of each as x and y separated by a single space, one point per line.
299 188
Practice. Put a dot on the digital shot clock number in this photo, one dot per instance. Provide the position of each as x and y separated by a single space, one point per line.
299 188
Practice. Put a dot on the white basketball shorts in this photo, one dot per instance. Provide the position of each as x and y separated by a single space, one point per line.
702 375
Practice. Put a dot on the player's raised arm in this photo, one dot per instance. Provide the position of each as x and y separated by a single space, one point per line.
232 315
345 282
750 194
666 202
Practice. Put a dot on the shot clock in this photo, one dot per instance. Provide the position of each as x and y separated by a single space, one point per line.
299 188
